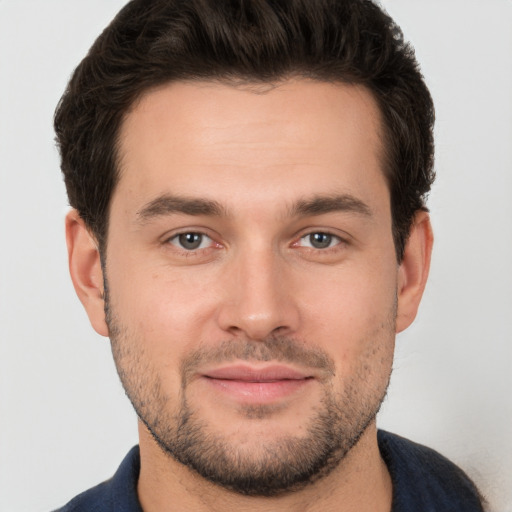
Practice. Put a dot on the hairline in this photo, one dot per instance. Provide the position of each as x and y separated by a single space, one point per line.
255 86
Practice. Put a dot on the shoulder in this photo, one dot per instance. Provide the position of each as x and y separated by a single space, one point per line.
116 494
425 480
97 499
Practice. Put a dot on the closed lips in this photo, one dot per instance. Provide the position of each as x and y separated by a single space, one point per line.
250 374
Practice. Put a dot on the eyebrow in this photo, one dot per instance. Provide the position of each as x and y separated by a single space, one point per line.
320 205
168 204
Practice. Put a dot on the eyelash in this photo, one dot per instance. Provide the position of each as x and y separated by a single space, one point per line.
330 236
194 251
191 251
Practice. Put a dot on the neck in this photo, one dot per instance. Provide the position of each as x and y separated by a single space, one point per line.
360 483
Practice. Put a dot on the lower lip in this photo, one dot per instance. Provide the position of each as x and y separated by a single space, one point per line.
258 392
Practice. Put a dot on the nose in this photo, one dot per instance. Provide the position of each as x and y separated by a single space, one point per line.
258 299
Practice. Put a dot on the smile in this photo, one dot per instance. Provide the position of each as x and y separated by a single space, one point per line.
257 385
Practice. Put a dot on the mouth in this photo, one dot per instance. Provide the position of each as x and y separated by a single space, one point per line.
257 385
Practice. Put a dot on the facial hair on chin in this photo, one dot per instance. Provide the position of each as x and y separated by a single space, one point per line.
283 465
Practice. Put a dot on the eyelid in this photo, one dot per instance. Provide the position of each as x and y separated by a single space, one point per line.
334 238
342 236
176 237
166 240
173 233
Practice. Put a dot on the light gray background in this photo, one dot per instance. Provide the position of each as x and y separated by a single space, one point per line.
64 421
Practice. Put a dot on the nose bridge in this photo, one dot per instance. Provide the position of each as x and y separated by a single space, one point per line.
257 300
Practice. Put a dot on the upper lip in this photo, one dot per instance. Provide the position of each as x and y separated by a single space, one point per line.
256 374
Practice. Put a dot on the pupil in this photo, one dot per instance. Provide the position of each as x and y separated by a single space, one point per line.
320 240
190 240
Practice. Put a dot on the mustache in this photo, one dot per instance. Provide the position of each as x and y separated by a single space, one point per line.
274 348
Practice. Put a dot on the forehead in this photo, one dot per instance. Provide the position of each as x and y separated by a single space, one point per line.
214 139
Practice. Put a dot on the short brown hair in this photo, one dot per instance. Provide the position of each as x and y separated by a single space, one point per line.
151 42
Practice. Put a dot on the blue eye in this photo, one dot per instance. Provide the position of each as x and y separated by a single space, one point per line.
191 241
320 240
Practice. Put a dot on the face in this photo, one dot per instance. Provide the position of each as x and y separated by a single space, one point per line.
252 277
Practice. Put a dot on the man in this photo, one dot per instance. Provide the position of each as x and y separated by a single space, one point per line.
248 183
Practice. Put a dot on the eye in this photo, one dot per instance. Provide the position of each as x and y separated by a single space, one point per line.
319 240
191 241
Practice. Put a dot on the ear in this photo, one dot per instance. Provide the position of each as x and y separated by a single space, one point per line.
413 270
85 269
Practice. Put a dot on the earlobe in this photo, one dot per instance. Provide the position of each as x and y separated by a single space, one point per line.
413 270
85 269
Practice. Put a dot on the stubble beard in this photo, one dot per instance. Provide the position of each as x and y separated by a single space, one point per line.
282 465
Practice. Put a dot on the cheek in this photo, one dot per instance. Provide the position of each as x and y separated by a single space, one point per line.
351 310
163 307
159 318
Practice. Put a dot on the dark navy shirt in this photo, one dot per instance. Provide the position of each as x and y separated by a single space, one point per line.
423 481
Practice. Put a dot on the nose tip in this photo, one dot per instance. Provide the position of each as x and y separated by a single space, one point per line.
257 325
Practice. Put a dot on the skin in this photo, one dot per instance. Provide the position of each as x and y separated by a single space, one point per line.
261 156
